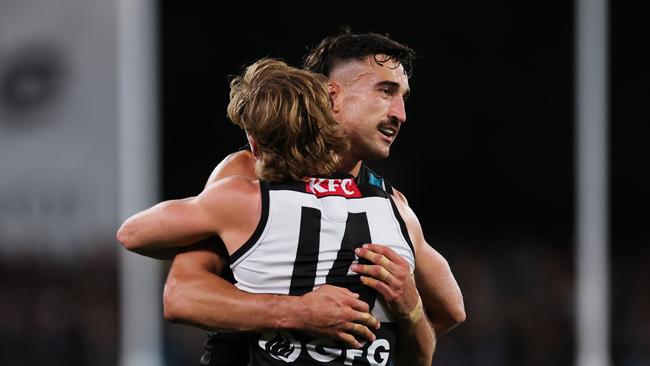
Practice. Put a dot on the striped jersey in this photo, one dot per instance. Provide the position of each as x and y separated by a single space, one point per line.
306 238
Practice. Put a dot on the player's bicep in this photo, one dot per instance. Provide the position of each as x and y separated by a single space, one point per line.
440 293
168 224
436 281
182 222
190 279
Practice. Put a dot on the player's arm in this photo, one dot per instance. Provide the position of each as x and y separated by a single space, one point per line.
441 295
135 233
180 222
194 295
390 276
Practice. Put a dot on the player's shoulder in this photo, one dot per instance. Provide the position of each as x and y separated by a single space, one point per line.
230 199
399 196
231 193
241 162
240 157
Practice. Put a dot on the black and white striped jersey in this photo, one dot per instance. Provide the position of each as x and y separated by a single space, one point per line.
306 238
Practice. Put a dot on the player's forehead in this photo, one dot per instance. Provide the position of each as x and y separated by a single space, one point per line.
372 69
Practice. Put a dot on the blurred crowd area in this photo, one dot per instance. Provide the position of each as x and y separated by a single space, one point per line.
55 313
518 297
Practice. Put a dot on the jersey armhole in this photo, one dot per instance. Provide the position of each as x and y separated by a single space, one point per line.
402 224
264 192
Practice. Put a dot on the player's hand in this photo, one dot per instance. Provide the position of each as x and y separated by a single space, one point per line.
391 276
337 313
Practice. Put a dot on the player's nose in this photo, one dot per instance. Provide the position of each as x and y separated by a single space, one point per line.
397 110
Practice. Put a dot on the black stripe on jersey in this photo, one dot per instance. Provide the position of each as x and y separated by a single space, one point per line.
264 192
402 224
304 267
357 233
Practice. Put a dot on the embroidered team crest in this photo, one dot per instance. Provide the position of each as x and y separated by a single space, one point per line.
333 187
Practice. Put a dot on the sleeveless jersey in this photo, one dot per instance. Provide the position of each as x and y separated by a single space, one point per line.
306 237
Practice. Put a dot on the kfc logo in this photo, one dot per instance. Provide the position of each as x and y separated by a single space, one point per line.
333 187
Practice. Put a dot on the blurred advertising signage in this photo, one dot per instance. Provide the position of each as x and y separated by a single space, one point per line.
58 126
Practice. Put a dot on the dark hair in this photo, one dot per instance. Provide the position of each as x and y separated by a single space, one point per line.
345 46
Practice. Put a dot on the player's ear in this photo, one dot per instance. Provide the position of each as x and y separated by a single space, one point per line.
334 90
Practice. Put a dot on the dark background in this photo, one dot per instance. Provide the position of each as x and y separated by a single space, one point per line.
486 157
489 137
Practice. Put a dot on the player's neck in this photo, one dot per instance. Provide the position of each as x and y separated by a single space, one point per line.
350 166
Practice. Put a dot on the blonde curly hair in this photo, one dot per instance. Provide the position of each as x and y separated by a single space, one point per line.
287 112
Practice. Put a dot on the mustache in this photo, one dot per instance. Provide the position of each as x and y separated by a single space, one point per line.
390 123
